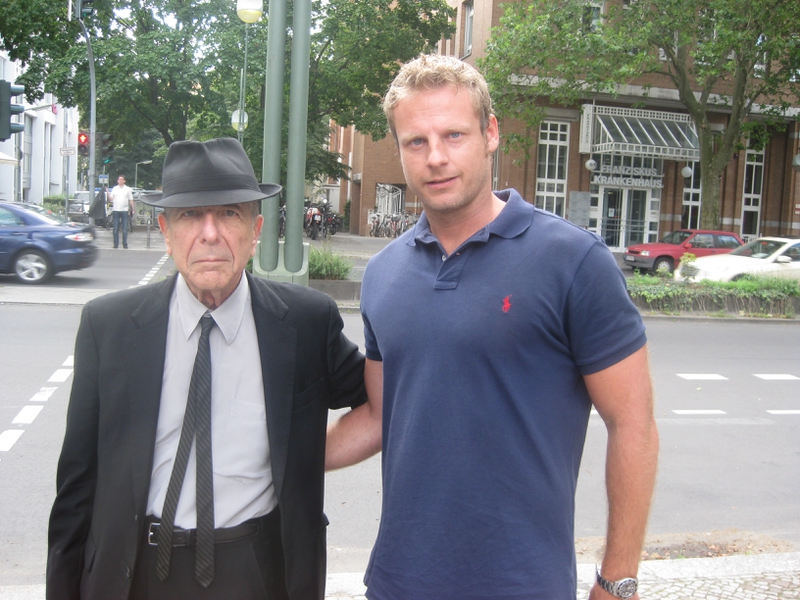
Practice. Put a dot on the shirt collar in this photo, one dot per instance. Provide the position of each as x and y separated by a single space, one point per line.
514 219
228 316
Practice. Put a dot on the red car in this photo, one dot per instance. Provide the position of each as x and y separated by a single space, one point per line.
667 253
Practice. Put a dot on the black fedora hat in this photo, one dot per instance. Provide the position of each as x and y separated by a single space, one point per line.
212 173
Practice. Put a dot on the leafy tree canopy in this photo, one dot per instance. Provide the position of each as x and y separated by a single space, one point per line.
740 57
173 66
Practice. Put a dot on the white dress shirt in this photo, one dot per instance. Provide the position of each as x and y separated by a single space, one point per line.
243 487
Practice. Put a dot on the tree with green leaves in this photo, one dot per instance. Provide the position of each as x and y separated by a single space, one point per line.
737 57
173 66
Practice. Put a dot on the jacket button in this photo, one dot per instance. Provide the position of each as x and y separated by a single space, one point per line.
128 572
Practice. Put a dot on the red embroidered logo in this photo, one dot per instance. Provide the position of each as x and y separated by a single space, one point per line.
506 304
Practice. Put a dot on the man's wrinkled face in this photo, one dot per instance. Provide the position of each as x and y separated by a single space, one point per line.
210 246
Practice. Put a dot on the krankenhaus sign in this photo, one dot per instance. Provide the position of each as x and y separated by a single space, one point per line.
625 176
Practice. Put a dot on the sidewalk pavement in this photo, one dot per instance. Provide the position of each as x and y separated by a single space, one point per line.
756 577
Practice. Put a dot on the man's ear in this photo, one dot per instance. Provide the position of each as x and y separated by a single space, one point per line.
163 225
492 135
259 224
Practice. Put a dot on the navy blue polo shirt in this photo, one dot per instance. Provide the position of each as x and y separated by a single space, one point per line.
484 407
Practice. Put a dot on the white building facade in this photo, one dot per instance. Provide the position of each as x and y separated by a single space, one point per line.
42 161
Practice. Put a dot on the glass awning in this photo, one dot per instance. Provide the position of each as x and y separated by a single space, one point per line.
612 130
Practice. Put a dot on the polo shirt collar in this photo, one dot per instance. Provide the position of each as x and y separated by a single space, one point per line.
514 219
228 316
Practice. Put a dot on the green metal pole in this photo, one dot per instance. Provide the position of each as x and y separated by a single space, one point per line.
298 127
273 128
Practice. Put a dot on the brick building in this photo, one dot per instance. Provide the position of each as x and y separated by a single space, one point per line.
617 170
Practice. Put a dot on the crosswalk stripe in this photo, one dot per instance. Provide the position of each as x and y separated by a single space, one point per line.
27 414
775 376
60 376
699 412
8 438
702 376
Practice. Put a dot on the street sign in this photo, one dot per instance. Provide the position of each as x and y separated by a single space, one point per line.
102 178
68 151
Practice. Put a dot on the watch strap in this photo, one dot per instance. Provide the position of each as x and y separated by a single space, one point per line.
624 588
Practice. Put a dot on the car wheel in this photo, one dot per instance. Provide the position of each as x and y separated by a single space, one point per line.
662 262
31 266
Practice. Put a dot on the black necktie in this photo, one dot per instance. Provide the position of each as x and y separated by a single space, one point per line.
196 424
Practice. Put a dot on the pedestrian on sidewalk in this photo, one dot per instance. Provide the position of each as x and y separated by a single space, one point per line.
192 464
121 207
492 328
97 210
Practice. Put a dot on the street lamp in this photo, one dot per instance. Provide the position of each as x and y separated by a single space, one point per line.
248 11
136 171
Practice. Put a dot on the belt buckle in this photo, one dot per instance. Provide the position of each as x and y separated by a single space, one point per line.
152 534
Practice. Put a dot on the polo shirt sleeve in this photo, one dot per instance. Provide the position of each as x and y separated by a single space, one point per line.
603 324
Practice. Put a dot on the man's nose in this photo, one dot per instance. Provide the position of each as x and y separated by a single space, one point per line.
210 227
437 153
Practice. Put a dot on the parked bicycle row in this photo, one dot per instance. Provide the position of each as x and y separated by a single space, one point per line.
390 225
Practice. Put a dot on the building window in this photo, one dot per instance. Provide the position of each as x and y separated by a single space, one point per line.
390 199
592 16
751 197
551 168
690 215
469 17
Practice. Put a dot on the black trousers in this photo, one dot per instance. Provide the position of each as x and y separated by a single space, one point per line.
250 568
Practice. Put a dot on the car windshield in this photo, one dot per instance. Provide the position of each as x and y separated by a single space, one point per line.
676 237
759 248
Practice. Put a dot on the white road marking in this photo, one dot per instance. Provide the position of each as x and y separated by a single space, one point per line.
784 412
154 270
699 412
60 376
8 438
43 395
70 362
27 414
775 376
702 377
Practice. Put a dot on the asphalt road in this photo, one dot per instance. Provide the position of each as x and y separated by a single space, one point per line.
737 466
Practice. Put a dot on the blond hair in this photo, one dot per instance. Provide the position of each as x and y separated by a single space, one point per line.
432 71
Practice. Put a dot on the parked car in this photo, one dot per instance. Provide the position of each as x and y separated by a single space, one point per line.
767 256
667 253
35 246
78 207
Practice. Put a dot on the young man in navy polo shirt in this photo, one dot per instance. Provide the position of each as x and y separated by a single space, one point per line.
492 328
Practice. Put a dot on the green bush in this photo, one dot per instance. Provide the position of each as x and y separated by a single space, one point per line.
346 218
749 295
324 264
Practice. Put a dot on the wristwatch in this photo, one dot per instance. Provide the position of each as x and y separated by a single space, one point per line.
624 588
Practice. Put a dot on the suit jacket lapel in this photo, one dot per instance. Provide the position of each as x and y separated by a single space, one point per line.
277 344
144 351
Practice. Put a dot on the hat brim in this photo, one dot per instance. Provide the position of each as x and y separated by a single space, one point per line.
210 198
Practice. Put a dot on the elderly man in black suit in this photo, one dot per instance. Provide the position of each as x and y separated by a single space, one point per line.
192 464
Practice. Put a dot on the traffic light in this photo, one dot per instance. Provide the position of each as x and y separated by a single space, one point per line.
83 8
7 91
83 144
106 147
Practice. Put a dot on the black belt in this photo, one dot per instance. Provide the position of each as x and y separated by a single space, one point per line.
188 537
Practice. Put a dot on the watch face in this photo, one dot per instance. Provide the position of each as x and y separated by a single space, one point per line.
626 588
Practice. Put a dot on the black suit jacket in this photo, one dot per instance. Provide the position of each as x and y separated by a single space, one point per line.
97 520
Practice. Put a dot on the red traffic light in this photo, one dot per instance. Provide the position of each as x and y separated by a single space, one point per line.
83 144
